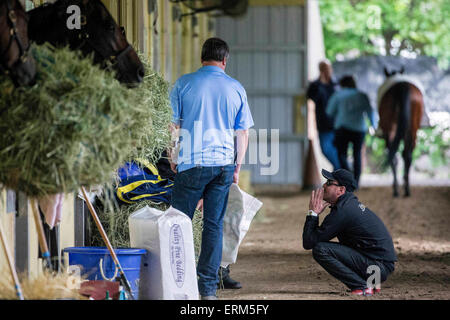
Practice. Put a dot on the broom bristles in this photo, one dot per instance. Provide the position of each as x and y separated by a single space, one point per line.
45 286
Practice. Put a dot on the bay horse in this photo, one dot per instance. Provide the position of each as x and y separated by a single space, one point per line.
401 107
15 59
98 33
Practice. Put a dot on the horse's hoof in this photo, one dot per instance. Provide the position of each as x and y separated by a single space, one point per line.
395 194
407 195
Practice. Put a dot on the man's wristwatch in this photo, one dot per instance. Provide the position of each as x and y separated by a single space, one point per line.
312 213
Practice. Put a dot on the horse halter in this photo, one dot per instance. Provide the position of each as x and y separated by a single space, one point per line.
109 61
13 36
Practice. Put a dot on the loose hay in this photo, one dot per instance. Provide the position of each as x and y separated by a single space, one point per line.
152 102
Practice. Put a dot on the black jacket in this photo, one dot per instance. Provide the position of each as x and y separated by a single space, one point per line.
355 226
320 93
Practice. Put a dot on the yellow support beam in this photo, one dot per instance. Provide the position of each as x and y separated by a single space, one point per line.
168 40
150 35
126 18
203 29
196 50
161 30
143 28
186 59
67 226
176 48
7 220
34 263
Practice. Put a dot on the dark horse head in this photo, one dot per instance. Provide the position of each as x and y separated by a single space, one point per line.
14 44
96 32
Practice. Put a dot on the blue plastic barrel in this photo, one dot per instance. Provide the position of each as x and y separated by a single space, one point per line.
95 260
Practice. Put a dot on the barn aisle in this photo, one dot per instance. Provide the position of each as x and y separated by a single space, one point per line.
272 263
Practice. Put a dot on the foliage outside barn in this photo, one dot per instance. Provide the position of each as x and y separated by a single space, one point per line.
361 37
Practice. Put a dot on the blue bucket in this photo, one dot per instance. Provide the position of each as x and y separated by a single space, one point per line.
97 264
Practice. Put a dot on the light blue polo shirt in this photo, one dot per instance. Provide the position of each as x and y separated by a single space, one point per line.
209 106
348 106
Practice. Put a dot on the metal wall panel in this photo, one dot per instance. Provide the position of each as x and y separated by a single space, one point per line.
268 57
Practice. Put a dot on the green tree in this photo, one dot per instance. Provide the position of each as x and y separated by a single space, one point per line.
387 27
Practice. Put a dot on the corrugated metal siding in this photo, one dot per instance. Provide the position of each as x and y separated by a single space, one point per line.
268 56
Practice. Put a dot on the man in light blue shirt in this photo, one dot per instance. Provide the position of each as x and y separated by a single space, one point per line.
209 107
349 108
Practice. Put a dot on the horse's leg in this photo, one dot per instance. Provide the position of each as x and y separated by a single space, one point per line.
417 109
407 158
394 171
392 163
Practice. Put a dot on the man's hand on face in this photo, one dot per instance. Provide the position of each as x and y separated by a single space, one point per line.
316 202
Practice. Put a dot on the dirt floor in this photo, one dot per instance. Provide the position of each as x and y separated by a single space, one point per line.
272 263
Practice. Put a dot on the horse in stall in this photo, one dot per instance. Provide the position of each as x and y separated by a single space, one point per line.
401 107
98 34
15 59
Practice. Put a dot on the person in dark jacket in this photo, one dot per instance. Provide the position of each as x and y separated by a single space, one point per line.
319 91
364 255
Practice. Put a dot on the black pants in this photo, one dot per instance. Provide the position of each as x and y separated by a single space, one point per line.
348 265
342 140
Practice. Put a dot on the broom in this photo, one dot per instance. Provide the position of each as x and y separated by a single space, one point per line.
40 232
123 278
11 265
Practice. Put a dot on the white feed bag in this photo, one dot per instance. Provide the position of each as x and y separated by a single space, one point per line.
241 209
168 271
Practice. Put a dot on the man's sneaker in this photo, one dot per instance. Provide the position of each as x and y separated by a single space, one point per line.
209 298
376 290
225 281
366 292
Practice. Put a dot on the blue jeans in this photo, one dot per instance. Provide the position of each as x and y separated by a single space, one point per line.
212 184
329 150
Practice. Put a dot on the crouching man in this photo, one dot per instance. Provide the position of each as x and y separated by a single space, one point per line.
364 255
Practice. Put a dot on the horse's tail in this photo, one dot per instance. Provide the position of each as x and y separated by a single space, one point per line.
402 96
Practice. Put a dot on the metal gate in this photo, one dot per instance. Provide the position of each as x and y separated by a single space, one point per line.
268 57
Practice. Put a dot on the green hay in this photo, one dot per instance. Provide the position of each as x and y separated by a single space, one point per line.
197 228
151 100
78 124
68 130
115 223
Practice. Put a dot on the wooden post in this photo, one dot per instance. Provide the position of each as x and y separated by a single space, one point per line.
311 173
